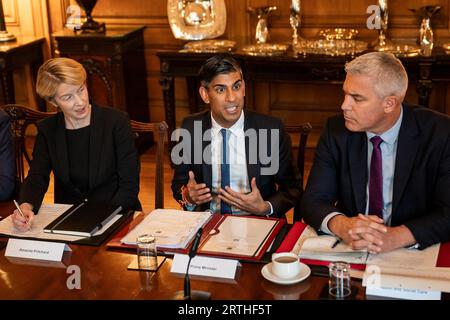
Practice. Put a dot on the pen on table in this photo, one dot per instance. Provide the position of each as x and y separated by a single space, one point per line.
20 210
335 243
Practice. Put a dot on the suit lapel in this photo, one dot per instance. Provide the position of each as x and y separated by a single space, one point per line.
252 168
406 154
357 149
206 143
95 144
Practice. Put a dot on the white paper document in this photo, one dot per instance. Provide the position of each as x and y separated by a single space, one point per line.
408 268
407 258
47 213
324 248
242 236
171 228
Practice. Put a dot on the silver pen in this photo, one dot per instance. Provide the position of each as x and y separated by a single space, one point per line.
20 211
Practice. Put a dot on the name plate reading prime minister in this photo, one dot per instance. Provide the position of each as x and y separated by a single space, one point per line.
39 250
205 266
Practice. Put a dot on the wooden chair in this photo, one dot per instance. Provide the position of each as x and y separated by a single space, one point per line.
22 117
159 130
304 131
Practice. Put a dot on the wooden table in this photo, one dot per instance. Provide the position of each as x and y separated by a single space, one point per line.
104 275
17 54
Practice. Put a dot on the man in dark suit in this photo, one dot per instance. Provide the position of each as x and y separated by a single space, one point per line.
252 172
381 174
7 169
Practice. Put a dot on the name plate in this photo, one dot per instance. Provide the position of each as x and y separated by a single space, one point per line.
403 293
205 266
39 250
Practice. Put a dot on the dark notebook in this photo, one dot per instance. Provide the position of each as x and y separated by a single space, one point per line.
83 219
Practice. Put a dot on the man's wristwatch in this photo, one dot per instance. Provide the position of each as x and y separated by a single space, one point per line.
184 202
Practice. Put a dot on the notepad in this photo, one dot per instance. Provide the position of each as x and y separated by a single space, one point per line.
172 228
324 248
83 219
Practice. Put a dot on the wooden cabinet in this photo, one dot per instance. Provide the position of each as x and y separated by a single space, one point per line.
115 63
17 54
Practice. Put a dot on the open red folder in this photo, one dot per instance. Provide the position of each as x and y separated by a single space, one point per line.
297 229
214 223
262 248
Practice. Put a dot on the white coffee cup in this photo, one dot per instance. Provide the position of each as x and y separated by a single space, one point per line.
285 265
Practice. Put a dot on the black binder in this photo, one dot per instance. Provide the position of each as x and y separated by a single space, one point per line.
83 219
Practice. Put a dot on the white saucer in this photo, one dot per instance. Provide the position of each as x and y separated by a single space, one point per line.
304 273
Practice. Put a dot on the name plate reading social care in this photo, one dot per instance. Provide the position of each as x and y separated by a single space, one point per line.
205 266
39 250
403 293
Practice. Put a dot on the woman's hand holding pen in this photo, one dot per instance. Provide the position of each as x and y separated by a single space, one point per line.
23 223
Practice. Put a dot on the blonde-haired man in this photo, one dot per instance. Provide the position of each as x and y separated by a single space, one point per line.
381 174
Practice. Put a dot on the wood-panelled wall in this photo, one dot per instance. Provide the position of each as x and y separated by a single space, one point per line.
289 101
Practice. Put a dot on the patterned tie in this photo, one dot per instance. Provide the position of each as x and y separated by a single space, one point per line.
225 170
376 179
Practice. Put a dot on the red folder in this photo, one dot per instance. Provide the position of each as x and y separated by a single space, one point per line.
443 260
260 252
115 242
291 239
213 223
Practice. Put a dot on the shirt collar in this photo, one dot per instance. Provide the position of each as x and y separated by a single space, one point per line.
390 136
236 129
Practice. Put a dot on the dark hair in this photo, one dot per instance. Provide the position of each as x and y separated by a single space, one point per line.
218 64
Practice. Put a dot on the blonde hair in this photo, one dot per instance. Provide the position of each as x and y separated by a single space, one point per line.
389 74
56 71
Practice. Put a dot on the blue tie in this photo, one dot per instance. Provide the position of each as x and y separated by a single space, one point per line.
224 170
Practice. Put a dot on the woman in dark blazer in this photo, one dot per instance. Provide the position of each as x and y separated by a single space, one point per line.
90 149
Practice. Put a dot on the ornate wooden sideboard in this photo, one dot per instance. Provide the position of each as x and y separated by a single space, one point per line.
115 63
423 73
16 54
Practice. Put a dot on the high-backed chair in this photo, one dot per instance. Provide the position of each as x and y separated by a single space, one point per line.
22 117
304 130
159 130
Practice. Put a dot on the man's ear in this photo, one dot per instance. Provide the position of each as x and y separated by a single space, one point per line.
390 103
204 94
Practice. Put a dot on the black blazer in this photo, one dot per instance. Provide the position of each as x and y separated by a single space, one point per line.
113 162
282 190
7 165
421 196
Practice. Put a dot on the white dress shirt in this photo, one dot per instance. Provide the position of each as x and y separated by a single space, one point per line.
239 180
237 160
